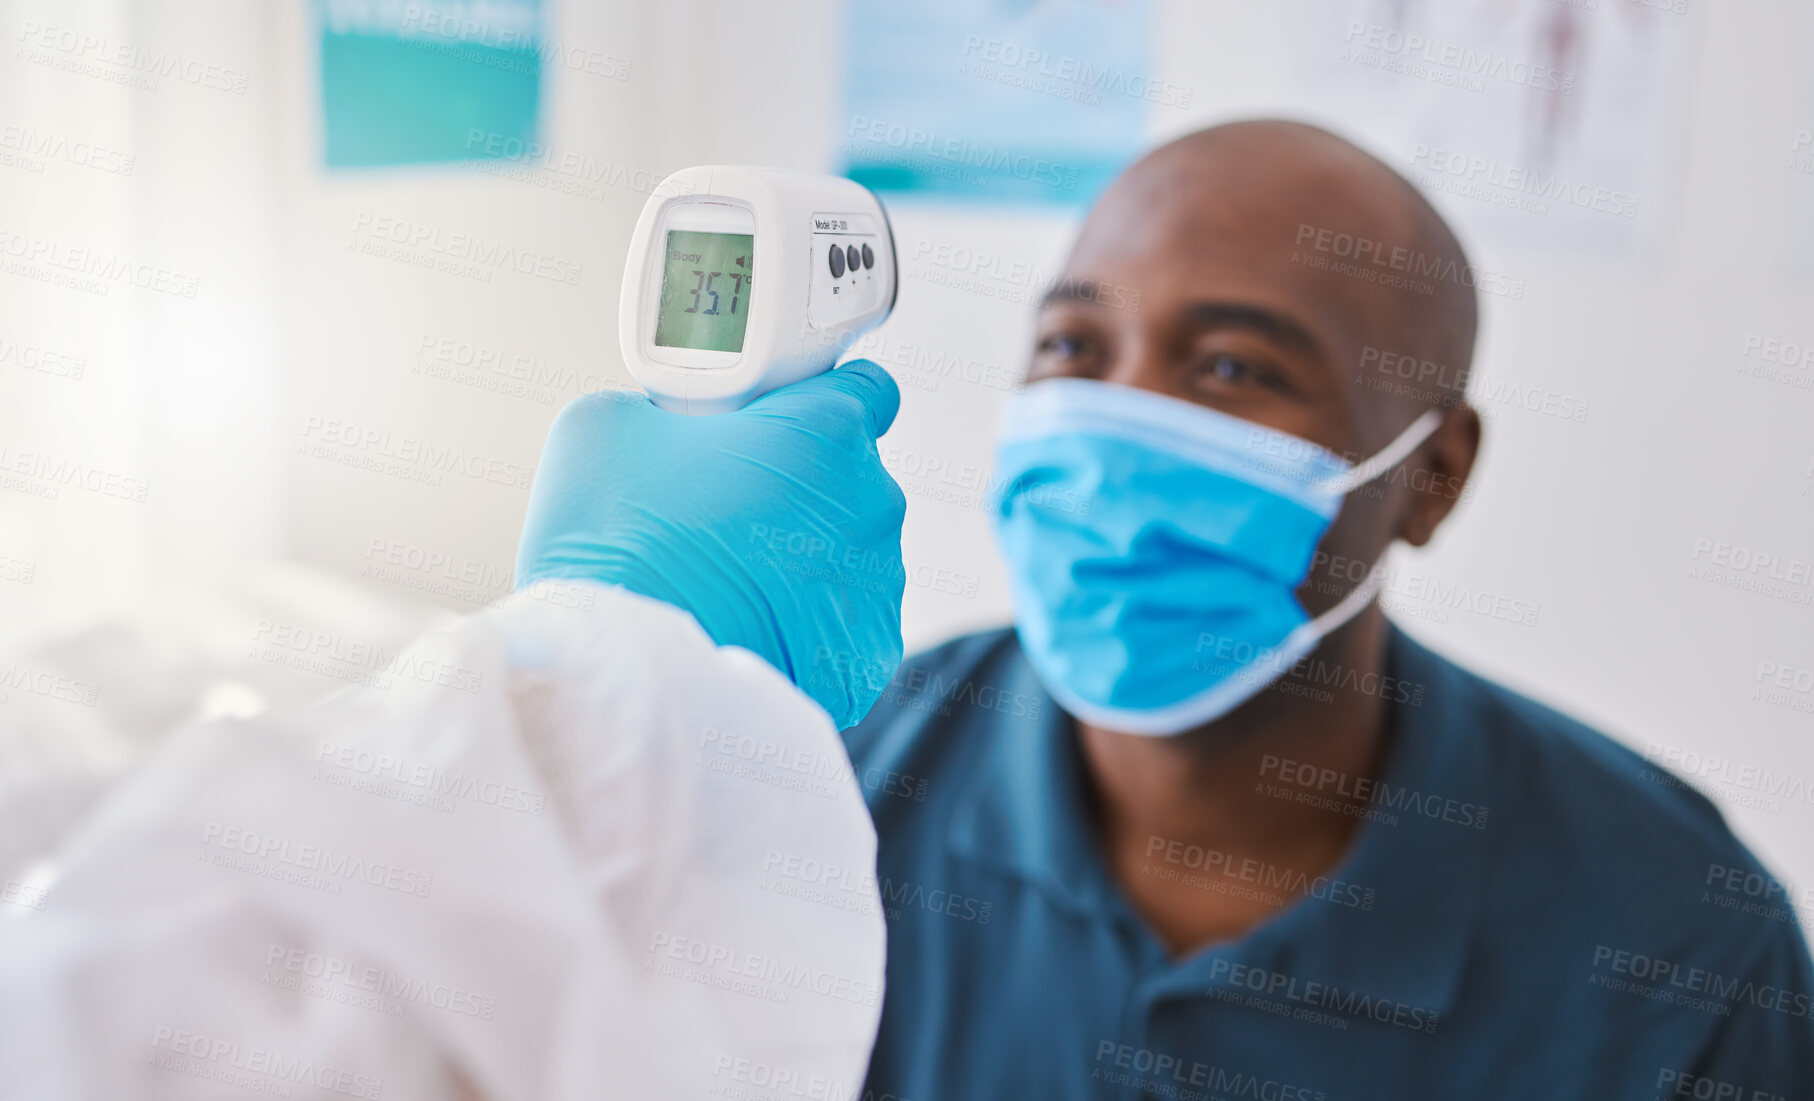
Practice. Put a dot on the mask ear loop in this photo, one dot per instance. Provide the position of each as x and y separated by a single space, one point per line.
1388 457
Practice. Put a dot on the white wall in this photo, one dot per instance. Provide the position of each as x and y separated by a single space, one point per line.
165 393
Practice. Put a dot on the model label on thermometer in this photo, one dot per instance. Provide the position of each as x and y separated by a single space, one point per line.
705 287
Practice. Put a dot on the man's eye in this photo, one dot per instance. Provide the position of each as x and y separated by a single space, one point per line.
1228 370
1064 347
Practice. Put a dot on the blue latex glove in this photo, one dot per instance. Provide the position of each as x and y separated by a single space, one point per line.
776 526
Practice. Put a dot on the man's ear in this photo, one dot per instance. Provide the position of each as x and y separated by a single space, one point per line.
1448 459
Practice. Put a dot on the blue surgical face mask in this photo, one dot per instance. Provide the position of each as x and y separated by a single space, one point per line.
1155 547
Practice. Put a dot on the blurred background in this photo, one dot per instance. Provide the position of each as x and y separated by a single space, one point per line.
290 292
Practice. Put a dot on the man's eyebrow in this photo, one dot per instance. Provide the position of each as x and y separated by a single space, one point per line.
1279 326
1210 314
1239 315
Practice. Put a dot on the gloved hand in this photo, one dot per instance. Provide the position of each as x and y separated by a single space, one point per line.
776 525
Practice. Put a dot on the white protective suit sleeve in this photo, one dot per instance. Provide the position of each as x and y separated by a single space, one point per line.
571 850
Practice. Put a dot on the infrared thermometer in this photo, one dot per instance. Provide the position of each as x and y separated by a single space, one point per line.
740 280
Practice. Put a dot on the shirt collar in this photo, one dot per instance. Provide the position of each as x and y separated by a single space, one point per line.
1027 812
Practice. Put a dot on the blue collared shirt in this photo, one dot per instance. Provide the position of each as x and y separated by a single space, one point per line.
1528 910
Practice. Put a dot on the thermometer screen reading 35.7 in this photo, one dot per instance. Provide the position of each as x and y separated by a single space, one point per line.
705 291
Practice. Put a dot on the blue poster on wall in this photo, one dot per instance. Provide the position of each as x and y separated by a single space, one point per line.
997 100
419 81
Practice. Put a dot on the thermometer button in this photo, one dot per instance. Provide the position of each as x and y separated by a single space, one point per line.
837 261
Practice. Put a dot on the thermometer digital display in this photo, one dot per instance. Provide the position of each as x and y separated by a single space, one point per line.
704 291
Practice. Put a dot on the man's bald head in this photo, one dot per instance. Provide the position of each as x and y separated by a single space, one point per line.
1282 188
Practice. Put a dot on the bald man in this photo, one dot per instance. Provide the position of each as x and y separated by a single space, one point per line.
1206 824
